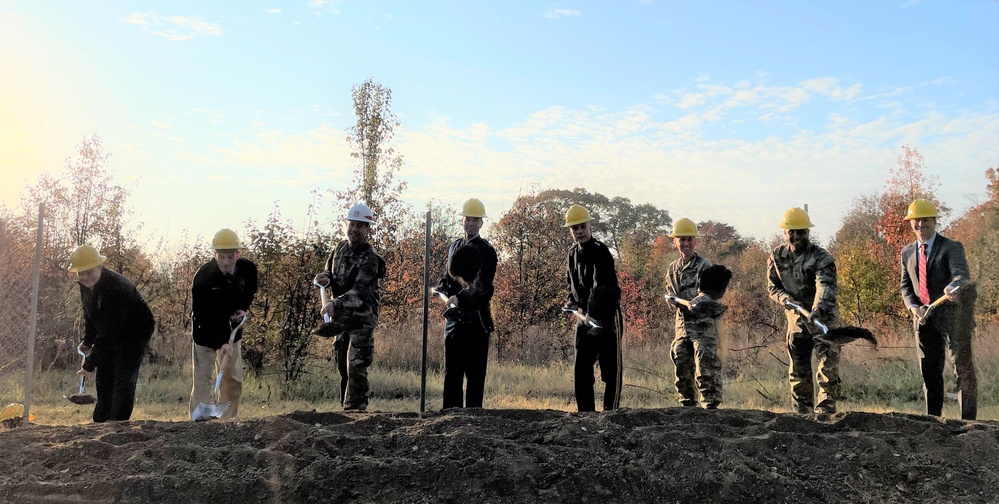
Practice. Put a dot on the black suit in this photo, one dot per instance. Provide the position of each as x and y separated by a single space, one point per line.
945 265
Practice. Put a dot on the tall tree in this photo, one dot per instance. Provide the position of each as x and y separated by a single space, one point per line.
374 184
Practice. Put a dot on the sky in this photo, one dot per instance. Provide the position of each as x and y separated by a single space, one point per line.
734 111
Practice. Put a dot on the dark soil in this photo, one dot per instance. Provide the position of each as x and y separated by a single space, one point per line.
508 456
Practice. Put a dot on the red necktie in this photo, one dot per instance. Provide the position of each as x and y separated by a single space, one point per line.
924 293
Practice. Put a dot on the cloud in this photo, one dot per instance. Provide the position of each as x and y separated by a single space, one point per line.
273 11
174 28
748 182
829 86
557 13
330 6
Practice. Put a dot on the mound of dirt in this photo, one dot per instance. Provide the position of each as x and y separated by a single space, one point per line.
508 456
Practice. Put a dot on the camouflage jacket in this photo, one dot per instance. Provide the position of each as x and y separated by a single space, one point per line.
474 297
592 280
682 282
807 279
355 284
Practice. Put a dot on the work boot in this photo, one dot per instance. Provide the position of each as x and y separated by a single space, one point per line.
802 408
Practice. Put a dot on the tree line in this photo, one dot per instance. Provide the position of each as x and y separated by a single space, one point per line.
85 205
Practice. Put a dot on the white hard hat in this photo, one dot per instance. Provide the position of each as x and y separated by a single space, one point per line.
360 213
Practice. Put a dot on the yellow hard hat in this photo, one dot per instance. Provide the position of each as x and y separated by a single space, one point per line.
576 214
921 209
796 218
473 208
14 410
226 239
683 227
85 258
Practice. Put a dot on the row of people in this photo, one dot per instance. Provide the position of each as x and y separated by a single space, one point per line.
799 274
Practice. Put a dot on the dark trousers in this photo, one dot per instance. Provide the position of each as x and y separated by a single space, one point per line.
466 352
594 346
117 375
933 344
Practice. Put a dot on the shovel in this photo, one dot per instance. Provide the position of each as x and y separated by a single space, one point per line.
442 296
328 329
215 409
940 300
82 397
579 314
839 335
710 307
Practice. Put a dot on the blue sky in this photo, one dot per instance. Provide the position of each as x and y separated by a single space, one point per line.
724 110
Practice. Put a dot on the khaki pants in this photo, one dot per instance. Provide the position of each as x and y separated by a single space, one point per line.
205 361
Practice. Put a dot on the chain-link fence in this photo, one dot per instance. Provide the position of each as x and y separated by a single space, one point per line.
16 277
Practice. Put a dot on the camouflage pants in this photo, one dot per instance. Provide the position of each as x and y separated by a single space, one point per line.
354 351
696 361
800 347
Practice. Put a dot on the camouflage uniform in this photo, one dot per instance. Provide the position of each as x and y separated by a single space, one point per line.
355 284
695 348
808 279
593 288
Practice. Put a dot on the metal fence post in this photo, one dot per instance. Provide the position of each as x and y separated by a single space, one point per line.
32 317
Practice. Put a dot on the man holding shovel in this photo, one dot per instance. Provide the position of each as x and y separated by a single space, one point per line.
118 326
804 274
353 275
468 283
595 298
221 294
695 347
933 268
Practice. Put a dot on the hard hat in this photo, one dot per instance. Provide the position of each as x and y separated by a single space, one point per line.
796 218
683 227
576 214
921 209
14 410
360 213
85 258
226 239
473 208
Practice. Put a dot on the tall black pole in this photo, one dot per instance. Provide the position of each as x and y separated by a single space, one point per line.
426 314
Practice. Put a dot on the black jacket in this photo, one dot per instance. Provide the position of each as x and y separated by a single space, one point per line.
215 297
117 318
475 296
592 280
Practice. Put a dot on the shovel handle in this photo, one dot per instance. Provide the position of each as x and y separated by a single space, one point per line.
939 301
677 300
442 296
325 299
805 313
579 314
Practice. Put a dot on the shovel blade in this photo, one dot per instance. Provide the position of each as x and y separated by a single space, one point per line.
82 399
208 411
847 334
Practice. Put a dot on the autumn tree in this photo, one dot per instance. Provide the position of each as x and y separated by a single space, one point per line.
374 183
530 277
978 230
